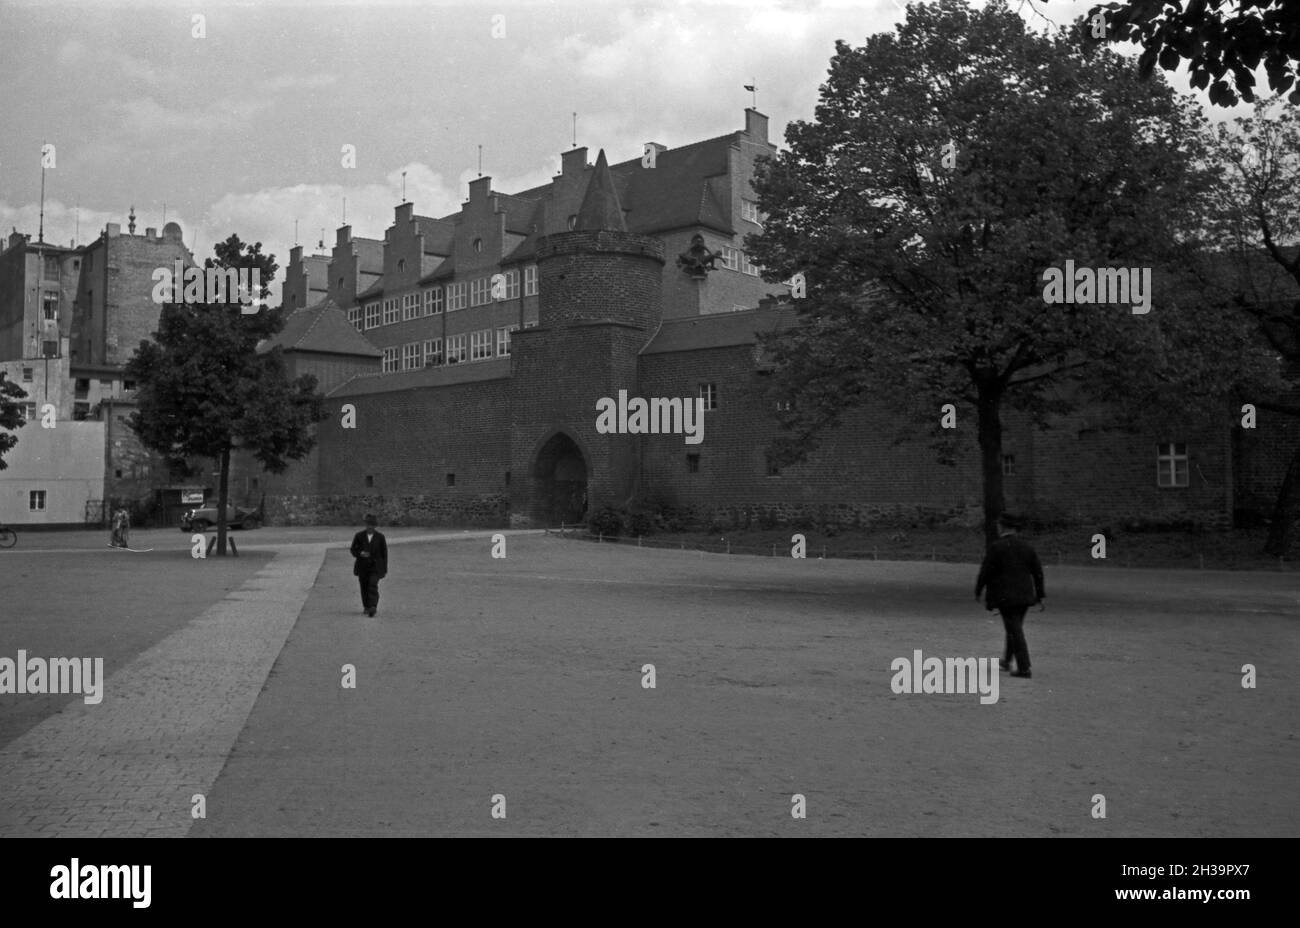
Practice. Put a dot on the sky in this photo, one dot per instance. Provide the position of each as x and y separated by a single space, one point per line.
242 130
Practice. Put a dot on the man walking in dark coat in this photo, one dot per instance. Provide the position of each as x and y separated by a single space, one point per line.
370 549
1014 579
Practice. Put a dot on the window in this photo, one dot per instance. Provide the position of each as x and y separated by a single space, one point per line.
782 405
709 393
51 267
411 356
81 386
530 280
81 411
512 284
456 349
401 265
573 222
433 301
507 478
531 325
746 266
370 480
27 375
50 349
36 500
1171 465
749 210
503 340
410 307
390 360
391 310
455 296
478 246
479 291
773 469
128 384
29 412
1008 465
354 317
731 258
451 480
433 352
50 302
692 463
480 345
372 315
340 283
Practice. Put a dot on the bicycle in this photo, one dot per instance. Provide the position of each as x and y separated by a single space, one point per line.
8 537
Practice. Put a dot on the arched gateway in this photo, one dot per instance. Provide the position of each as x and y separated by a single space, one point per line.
559 482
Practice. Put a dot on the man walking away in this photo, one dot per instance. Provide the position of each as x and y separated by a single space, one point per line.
1014 578
370 549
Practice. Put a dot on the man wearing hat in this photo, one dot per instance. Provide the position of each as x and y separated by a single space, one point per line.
370 549
1014 578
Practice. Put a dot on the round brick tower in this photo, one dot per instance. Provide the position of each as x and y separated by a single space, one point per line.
600 300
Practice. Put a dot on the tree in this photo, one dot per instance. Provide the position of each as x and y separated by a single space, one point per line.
949 166
11 414
203 389
1213 37
1257 226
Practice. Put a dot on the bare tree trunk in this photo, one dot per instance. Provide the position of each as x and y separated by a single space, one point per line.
990 439
223 495
1281 534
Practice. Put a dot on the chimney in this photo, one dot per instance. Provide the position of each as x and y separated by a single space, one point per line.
113 229
755 125
479 188
573 161
150 232
295 255
404 213
343 236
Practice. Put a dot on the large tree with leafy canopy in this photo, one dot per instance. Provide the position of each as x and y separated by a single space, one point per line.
204 390
1256 231
949 164
11 414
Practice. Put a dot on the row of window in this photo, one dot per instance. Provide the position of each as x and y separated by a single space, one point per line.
432 301
472 346
1171 465
733 259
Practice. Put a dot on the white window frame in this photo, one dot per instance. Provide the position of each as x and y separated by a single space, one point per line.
456 350
433 352
410 307
35 497
392 311
709 393
480 291
748 267
411 356
731 257
749 210
390 362
1168 459
530 280
457 296
512 284
372 315
433 301
354 317
503 340
480 345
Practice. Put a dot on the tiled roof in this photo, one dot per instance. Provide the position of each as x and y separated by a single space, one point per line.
600 208
718 330
323 327
438 234
473 372
374 290
444 270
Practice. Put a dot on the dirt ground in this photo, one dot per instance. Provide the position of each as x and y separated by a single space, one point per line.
522 678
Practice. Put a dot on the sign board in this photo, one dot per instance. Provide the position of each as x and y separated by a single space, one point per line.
194 497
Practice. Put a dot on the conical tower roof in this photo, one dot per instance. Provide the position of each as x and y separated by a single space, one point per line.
600 211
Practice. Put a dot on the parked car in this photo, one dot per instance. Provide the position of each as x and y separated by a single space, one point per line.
205 517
